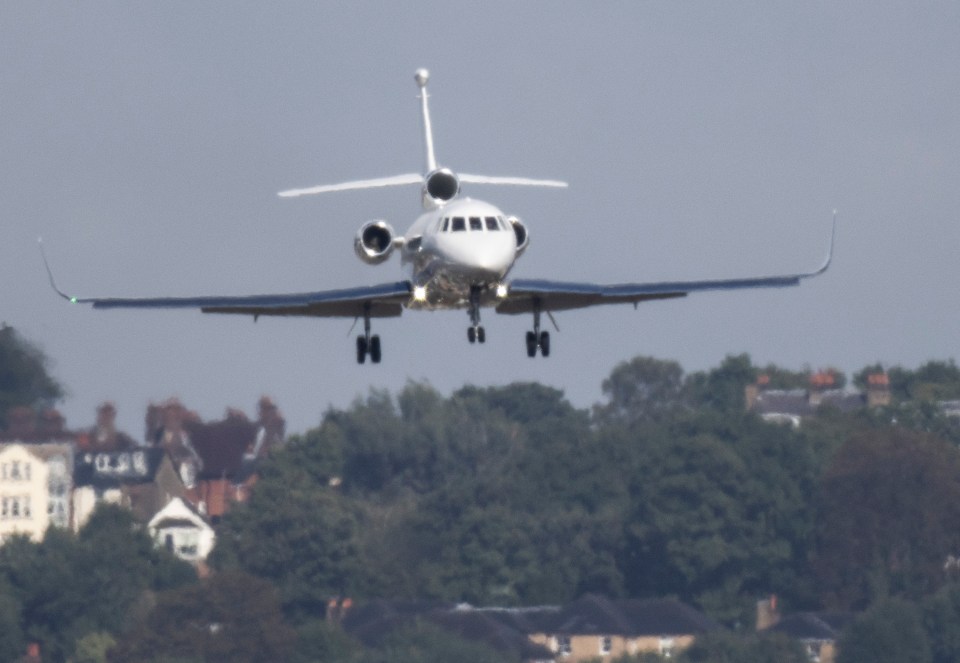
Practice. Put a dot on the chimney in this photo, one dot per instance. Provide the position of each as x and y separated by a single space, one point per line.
767 613
819 383
878 390
751 392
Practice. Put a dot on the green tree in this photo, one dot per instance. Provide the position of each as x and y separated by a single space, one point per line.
941 619
231 616
12 643
24 379
722 388
425 643
726 647
889 516
93 648
643 389
890 632
319 641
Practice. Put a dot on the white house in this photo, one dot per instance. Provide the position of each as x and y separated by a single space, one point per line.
35 485
182 531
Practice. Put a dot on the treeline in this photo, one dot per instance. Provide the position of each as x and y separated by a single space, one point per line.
511 496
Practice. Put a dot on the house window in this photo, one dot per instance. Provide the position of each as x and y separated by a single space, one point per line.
15 470
666 647
563 645
606 645
5 509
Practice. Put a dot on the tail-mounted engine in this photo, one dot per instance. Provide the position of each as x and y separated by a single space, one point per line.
520 232
374 242
440 186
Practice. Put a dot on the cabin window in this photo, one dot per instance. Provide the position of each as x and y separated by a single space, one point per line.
446 224
476 223
459 223
492 223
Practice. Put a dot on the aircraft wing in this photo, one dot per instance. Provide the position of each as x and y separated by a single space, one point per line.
379 301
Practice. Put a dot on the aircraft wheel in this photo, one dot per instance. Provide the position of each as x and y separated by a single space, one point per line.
472 334
375 349
531 344
361 349
545 344
481 335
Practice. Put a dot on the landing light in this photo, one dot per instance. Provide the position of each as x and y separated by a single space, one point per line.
502 290
419 293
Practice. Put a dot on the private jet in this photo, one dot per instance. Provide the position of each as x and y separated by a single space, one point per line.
459 251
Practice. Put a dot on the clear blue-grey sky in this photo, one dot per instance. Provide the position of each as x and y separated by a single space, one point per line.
146 143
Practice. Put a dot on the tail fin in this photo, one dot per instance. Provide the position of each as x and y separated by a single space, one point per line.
422 76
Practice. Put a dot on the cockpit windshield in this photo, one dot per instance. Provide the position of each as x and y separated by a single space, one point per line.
473 224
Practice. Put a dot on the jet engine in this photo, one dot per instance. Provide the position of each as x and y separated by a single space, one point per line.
440 186
374 242
520 231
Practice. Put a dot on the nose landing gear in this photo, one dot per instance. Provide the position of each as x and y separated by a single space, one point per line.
475 333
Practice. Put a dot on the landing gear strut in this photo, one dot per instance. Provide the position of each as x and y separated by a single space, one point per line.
367 344
536 338
475 332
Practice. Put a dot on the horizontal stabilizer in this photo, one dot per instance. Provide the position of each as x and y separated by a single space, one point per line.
396 180
510 181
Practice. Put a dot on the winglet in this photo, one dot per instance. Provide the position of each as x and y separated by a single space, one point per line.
833 240
53 283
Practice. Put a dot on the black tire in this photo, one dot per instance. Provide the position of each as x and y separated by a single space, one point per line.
545 344
531 344
375 349
361 349
472 334
481 335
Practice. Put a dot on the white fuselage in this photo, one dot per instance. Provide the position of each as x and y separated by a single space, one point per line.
459 246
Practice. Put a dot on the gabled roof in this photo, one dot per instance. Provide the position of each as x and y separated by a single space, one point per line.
597 615
813 625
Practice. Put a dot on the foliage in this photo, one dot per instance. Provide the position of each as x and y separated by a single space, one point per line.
231 616
23 375
12 643
69 586
726 647
642 389
93 648
941 619
890 632
425 643
319 641
889 506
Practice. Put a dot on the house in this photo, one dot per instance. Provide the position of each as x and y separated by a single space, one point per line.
181 530
590 628
141 479
817 632
595 626
372 623
216 461
35 486
791 406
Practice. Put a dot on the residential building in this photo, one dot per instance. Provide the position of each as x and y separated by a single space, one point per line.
597 627
181 530
791 406
35 487
588 629
141 479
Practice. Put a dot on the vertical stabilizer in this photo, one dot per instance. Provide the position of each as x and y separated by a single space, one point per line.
422 76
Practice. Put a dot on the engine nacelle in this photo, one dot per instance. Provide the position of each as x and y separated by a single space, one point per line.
520 232
374 242
440 186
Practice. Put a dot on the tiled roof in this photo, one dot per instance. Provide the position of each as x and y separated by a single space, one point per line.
796 402
597 615
221 446
813 625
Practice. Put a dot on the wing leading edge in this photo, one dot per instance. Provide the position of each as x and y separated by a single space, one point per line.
529 295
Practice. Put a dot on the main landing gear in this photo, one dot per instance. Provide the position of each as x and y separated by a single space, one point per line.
536 338
475 333
367 344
